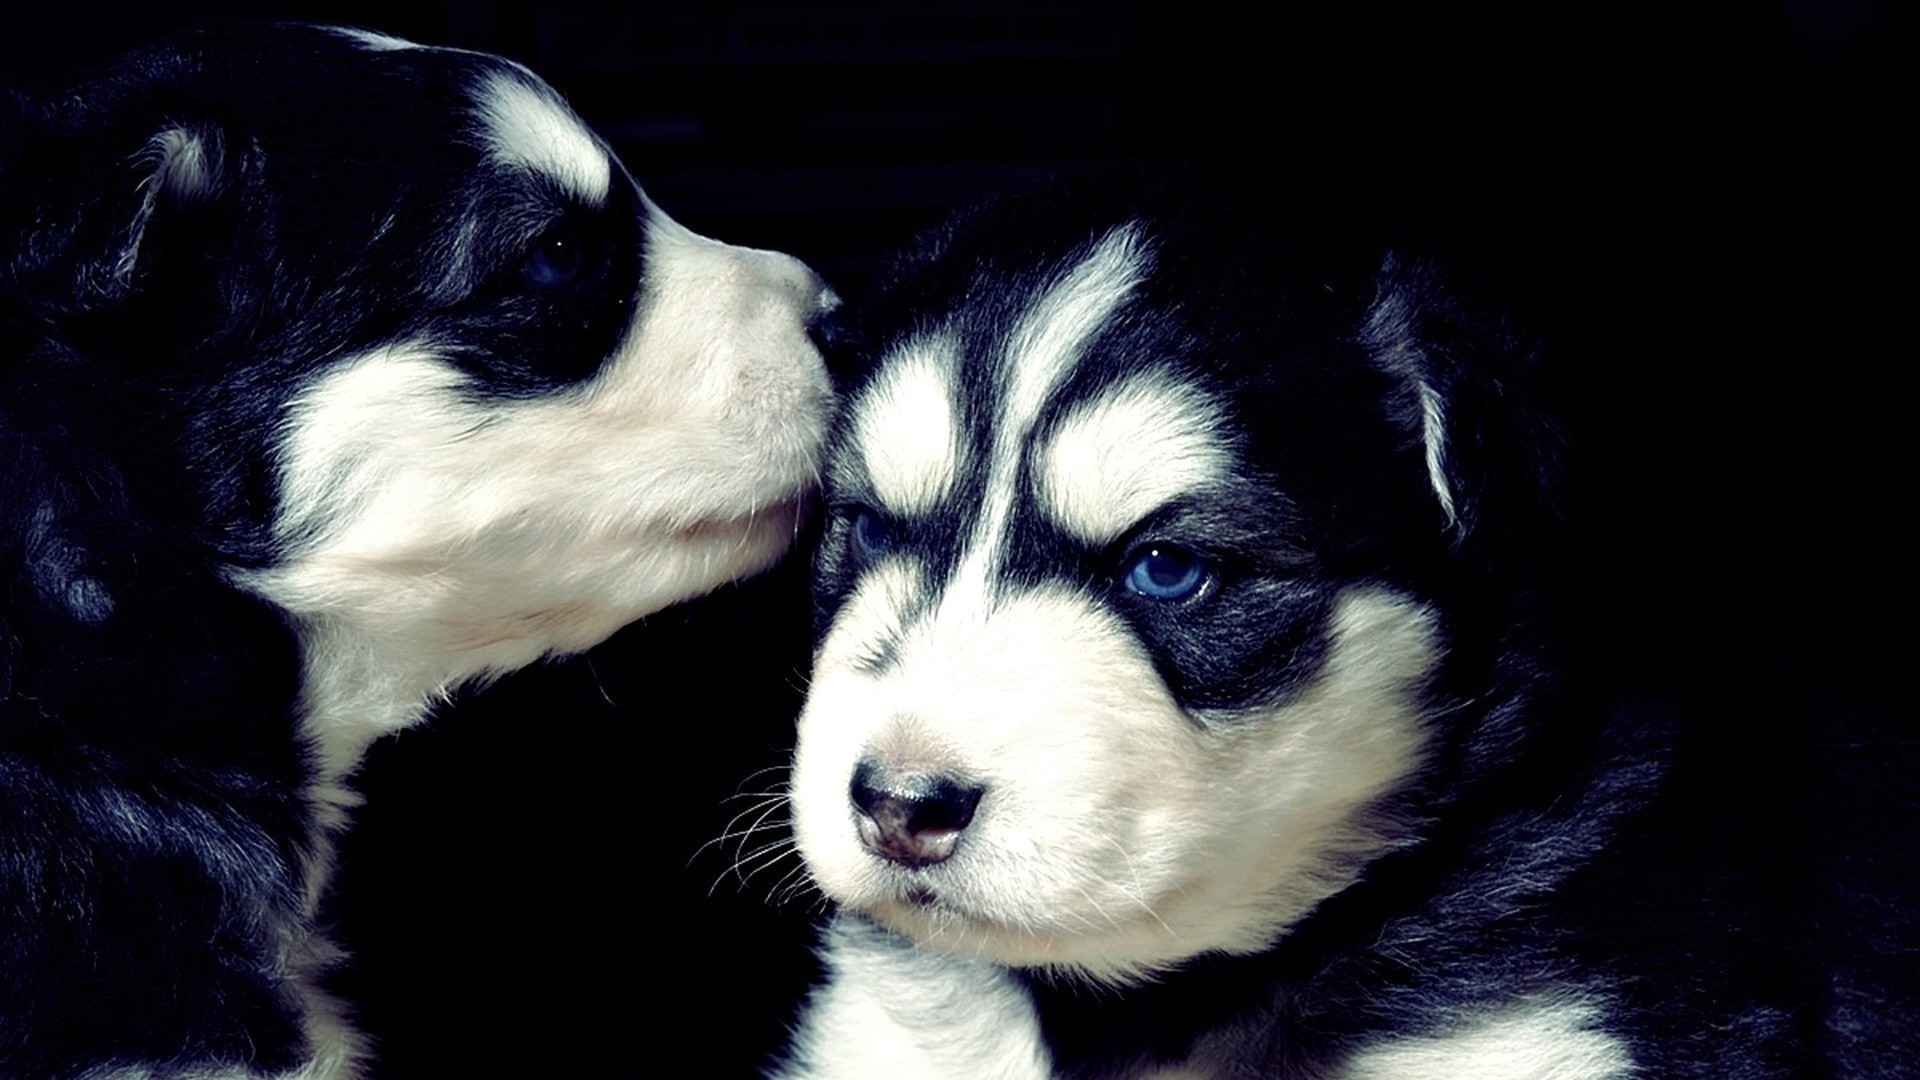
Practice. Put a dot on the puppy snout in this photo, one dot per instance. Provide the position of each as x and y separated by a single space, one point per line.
787 275
911 818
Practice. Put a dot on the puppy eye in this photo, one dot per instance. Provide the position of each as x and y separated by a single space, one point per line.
872 535
1165 572
557 260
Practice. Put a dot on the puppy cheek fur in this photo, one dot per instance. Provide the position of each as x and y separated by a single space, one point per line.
1118 835
464 535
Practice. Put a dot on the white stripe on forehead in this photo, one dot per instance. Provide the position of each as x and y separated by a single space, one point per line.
1050 336
1041 352
1123 455
905 428
527 126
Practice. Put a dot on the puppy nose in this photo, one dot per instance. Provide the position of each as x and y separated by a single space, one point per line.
911 818
812 297
829 335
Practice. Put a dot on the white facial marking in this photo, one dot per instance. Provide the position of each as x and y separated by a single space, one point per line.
871 616
436 535
1042 350
1121 456
1051 335
905 427
1117 835
455 536
1539 1039
526 125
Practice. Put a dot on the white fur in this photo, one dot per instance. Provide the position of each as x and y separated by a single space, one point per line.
526 125
890 1011
183 163
905 427
1538 1039
180 163
1050 336
1389 332
1041 352
1117 835
1433 433
873 614
1123 455
372 40
437 536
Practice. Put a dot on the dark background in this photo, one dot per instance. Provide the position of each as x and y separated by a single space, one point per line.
1704 205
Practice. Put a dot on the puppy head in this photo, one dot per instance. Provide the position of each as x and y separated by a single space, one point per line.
408 351
1127 611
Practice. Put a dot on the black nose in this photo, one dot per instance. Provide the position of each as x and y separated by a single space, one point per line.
911 818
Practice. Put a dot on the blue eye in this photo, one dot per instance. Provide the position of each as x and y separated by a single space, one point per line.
555 262
872 536
1165 572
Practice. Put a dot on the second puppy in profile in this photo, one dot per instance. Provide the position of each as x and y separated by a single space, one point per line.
338 372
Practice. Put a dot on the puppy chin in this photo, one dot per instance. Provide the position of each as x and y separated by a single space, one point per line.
742 546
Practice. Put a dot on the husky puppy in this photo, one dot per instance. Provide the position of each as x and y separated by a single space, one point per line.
1190 698
338 372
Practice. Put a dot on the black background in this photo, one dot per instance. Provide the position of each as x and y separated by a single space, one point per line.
1704 205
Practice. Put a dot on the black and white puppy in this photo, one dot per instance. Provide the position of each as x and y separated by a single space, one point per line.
1189 702
338 372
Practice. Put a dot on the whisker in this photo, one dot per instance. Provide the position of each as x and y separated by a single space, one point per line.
593 673
767 805
753 862
795 883
1138 894
755 775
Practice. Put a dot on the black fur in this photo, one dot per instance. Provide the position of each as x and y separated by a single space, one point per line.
152 813
188 240
1718 873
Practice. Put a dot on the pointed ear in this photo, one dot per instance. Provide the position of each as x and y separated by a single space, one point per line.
1465 396
93 214
181 170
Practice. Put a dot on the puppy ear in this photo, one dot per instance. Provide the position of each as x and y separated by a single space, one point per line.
1465 395
93 216
181 170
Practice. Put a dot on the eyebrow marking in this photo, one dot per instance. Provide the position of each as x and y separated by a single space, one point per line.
526 125
1042 350
1119 457
906 428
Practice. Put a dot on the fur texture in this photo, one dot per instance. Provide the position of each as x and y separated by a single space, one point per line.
1192 693
338 372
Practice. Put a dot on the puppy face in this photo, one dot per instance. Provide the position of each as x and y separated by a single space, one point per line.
601 412
415 359
1121 657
